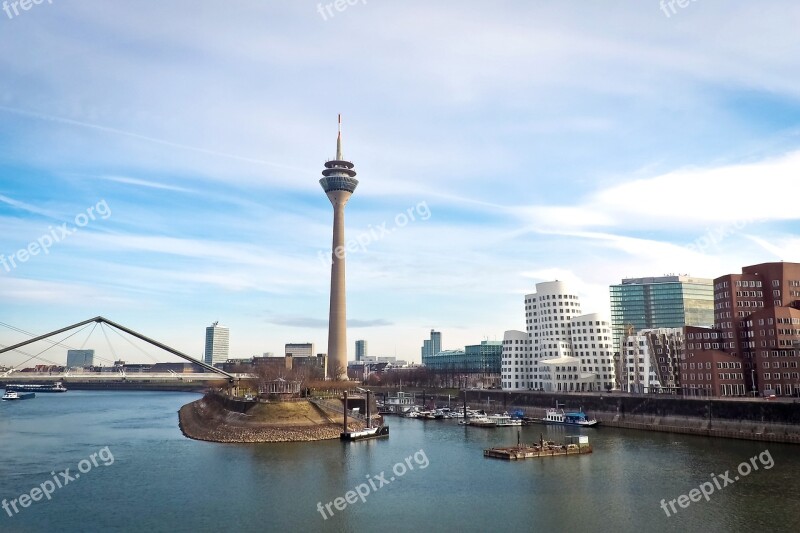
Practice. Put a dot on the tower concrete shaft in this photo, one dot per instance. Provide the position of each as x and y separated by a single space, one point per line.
339 183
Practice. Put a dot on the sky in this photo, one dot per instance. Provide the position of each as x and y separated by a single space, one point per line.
497 145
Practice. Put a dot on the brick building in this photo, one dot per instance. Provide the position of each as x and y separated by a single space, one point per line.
757 324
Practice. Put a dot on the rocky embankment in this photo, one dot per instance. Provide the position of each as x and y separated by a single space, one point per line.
208 419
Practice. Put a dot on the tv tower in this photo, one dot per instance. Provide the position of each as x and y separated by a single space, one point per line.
339 184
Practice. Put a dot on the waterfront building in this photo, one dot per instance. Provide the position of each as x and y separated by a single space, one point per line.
660 302
339 184
80 358
651 359
708 370
561 349
361 350
757 321
305 349
433 345
217 344
477 363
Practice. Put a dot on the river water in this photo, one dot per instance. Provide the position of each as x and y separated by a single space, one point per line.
428 476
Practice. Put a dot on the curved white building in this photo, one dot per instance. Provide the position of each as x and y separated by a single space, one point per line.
562 349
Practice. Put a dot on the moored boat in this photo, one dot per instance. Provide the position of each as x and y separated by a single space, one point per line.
482 422
505 420
14 395
368 433
556 416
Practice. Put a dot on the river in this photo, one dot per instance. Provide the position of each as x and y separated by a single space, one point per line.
131 469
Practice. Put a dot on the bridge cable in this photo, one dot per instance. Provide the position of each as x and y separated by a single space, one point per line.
14 328
111 348
52 346
89 336
126 339
26 353
54 343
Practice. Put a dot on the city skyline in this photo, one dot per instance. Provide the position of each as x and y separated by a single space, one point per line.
583 143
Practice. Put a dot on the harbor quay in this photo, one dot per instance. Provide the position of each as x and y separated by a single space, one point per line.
748 419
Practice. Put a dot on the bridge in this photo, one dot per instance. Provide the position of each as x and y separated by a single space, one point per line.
231 378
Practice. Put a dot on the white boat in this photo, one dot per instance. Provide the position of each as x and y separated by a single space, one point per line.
559 417
505 420
482 422
14 395
412 412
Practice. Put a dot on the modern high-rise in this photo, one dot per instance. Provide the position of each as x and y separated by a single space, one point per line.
361 350
80 358
339 184
217 342
432 346
561 349
660 302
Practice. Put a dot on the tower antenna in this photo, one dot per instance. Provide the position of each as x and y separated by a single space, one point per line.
339 156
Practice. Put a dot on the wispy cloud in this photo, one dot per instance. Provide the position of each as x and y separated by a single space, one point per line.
577 140
146 183
17 204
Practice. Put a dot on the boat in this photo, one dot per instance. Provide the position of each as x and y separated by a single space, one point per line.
14 395
482 422
368 433
411 412
556 416
31 387
505 420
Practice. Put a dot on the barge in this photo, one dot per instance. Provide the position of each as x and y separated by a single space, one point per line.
573 445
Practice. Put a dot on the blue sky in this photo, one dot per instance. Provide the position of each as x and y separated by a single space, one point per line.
542 140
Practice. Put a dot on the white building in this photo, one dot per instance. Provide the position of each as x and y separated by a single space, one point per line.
561 349
217 343
651 360
304 349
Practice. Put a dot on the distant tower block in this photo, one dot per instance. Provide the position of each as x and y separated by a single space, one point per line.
339 184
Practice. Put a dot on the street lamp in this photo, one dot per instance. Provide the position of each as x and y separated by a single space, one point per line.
753 379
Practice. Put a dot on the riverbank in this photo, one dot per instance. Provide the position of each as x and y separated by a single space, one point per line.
727 429
215 419
730 418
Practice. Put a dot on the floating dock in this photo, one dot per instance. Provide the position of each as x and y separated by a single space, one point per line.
370 433
577 445
367 433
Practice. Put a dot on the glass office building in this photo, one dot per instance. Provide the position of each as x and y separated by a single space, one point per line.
483 358
663 302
